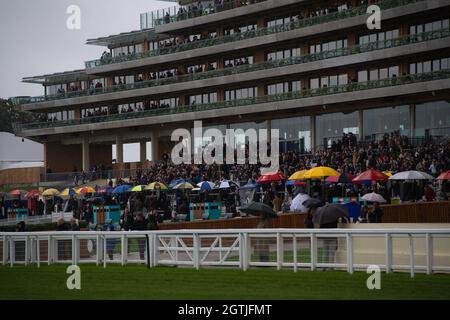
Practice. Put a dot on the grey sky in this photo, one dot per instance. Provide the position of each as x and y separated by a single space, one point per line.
35 41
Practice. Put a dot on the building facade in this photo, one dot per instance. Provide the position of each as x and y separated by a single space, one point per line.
310 68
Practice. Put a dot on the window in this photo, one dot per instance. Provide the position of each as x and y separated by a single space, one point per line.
380 36
240 93
378 74
283 87
205 98
283 54
431 26
238 61
429 66
327 46
328 81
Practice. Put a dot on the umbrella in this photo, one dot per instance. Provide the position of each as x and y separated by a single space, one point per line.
296 183
86 190
33 194
104 190
312 203
156 186
271 177
184 186
50 193
205 186
374 197
139 188
343 178
370 175
330 213
444 176
388 173
411 175
68 192
176 182
320 172
122 189
258 209
297 203
226 184
299 175
17 192
250 186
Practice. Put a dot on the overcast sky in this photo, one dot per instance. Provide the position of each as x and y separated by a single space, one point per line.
35 40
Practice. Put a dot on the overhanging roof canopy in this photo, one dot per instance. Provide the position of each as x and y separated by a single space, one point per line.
61 77
127 38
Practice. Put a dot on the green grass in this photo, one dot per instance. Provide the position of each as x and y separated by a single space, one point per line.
137 282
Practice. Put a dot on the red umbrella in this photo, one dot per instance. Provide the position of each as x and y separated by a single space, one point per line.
17 192
444 176
272 177
371 175
343 178
33 193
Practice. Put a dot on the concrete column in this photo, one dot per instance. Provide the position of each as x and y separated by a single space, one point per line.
313 132
86 155
361 124
119 150
155 145
412 120
143 151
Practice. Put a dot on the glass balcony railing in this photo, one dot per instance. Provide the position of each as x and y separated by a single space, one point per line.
372 46
352 87
176 14
357 11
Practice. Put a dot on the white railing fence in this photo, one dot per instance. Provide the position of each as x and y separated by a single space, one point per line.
413 250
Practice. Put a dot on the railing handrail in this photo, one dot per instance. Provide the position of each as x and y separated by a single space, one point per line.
307 58
356 86
360 10
286 231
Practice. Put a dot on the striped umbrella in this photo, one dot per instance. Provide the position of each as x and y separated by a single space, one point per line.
86 190
68 192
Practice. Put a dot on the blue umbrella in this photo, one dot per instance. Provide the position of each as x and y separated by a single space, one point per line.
250 186
206 186
122 189
176 182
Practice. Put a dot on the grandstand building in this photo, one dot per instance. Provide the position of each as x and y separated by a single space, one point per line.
310 68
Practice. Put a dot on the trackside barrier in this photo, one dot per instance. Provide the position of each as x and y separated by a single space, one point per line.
412 250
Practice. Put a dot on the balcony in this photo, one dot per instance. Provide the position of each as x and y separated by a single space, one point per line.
357 11
174 14
357 49
215 107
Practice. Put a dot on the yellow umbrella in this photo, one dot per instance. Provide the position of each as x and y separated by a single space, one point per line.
320 172
139 188
50 193
156 186
299 175
68 192
184 185
388 173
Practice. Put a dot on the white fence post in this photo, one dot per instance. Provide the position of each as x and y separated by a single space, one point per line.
280 248
294 252
38 252
99 251
196 251
429 252
104 251
313 251
74 259
12 254
411 254
247 251
349 253
123 251
5 250
155 250
388 253
26 251
49 250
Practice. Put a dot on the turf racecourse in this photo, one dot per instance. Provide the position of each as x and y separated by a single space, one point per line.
137 282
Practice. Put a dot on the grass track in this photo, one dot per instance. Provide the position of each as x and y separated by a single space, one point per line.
137 282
